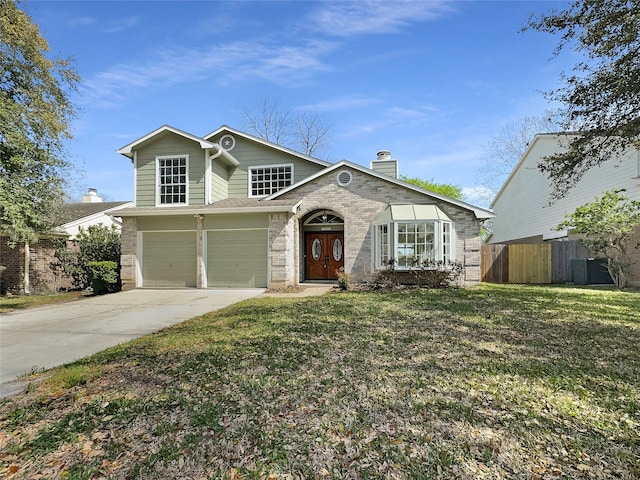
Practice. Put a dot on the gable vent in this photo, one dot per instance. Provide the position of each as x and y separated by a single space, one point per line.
344 178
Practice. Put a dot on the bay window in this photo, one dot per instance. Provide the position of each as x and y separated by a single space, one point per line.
402 236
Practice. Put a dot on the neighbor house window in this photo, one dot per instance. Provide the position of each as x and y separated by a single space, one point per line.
172 180
267 180
413 243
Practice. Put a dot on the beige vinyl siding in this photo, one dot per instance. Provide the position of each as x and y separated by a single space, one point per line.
219 181
386 167
169 259
522 208
237 258
169 144
251 154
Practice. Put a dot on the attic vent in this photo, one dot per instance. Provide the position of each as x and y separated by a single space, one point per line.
227 142
344 178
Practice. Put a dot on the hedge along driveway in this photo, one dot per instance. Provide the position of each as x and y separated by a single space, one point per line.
56 334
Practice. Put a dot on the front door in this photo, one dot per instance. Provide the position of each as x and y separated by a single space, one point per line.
324 252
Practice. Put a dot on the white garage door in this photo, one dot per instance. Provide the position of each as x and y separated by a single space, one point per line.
169 259
237 258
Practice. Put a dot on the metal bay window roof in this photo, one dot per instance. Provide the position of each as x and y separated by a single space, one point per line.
410 213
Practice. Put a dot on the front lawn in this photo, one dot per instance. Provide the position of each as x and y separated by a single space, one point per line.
21 302
497 381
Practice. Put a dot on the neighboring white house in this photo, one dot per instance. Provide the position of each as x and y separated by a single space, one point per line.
36 275
525 212
91 211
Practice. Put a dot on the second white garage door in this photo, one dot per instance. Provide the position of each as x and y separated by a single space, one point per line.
237 258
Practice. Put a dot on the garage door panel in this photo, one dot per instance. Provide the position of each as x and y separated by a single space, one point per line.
237 258
169 259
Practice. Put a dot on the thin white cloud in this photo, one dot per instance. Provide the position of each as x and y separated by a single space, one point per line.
121 25
101 27
238 61
79 22
366 17
346 102
481 196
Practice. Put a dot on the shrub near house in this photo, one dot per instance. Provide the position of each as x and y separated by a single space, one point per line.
97 257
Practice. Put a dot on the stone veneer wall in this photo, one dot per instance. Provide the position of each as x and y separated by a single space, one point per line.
359 203
283 264
129 245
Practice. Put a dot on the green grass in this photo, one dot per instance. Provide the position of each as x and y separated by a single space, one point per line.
498 381
8 304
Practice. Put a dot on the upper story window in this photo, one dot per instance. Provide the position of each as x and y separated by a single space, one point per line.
172 180
269 179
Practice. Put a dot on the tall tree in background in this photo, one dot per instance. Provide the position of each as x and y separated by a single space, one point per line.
305 132
601 96
447 189
502 153
34 123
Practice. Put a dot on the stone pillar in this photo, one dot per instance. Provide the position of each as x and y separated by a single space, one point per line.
281 251
129 245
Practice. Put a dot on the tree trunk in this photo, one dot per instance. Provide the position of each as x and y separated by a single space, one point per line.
27 261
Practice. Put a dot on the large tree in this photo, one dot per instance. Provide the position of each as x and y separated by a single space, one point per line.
35 112
502 153
600 97
447 189
303 131
608 225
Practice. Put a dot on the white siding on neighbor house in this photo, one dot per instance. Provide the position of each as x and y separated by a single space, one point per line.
523 206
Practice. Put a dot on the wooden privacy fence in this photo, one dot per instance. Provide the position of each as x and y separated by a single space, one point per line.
530 263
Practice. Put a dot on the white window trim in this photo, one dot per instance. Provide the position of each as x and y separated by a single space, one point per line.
157 180
437 247
393 242
377 247
249 175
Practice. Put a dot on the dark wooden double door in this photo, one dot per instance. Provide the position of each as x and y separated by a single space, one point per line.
324 255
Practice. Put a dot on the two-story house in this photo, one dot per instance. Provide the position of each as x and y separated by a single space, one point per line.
232 210
525 212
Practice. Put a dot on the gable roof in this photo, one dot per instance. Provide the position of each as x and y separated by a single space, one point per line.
225 128
536 139
72 212
128 150
480 213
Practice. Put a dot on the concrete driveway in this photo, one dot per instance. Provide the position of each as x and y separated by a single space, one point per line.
53 335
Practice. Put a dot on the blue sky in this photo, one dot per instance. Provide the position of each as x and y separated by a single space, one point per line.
431 81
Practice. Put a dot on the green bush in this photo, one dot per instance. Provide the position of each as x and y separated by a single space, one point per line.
104 277
425 274
97 243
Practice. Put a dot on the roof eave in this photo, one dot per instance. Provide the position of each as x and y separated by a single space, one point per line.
128 150
212 210
480 213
